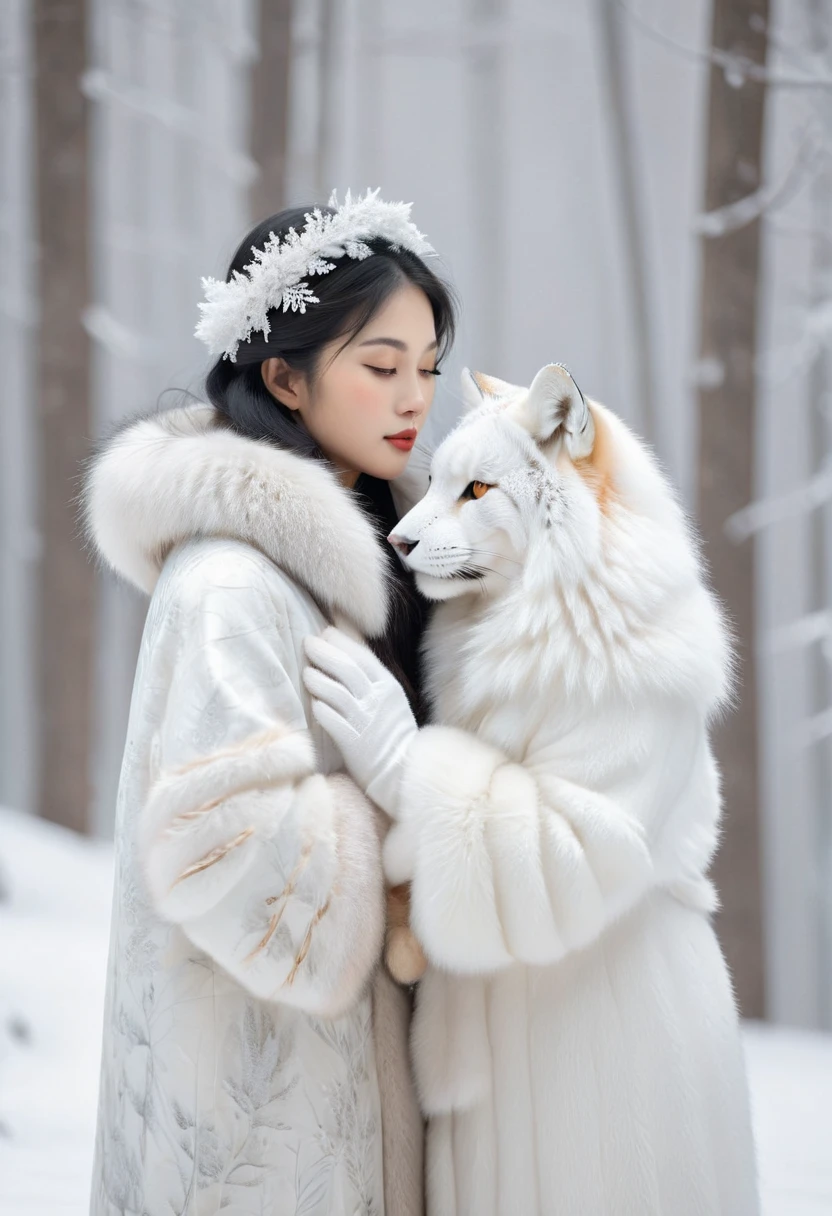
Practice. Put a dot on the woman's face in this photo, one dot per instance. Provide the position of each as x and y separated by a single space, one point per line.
371 399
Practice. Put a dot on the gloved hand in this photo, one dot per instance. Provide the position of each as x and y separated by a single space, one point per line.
365 711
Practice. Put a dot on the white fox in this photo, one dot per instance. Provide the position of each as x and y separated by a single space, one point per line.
575 1043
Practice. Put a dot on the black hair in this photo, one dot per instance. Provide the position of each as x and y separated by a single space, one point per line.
349 297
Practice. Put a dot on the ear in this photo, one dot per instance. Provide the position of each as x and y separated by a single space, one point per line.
282 381
555 406
478 388
472 395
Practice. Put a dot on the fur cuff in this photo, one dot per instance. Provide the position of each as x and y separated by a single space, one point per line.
441 840
441 763
209 811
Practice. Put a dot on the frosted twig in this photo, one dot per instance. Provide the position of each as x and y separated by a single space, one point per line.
759 515
98 85
737 68
115 337
806 631
781 365
815 729
733 216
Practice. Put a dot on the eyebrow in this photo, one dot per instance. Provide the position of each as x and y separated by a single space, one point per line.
396 343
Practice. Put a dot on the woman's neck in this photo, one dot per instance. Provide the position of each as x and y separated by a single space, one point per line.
348 477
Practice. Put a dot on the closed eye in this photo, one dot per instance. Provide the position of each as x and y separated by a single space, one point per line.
391 371
475 489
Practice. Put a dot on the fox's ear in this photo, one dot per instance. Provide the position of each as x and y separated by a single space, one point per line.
555 406
472 394
478 388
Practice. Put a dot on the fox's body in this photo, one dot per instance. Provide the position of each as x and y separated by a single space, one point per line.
576 1043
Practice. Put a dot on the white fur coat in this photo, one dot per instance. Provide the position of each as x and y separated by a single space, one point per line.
253 1054
576 1042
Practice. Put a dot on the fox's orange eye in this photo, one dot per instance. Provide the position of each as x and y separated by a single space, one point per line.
475 489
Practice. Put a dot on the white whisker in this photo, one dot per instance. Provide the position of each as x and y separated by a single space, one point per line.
502 557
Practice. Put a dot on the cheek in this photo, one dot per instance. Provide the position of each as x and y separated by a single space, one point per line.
500 517
346 397
366 393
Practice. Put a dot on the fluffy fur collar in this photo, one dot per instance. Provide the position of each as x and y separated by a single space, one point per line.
175 475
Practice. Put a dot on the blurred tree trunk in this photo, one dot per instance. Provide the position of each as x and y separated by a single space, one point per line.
820 523
728 333
67 579
270 107
623 153
327 68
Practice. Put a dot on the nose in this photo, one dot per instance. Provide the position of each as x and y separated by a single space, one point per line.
413 399
401 544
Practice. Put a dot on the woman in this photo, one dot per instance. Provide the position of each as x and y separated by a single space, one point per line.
254 1057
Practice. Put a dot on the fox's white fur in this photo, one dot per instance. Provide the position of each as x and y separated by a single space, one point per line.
576 1042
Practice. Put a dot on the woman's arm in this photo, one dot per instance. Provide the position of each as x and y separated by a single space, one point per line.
271 868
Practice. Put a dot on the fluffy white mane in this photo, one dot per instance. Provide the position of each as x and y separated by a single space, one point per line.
599 591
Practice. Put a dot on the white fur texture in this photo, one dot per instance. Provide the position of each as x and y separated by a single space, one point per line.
576 1041
331 920
175 475
196 811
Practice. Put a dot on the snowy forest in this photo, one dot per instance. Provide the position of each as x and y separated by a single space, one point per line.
640 188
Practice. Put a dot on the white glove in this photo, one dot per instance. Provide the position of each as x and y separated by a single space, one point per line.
363 708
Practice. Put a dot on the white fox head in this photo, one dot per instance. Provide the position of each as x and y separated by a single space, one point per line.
585 575
518 466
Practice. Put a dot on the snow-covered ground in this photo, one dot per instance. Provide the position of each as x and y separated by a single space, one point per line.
790 1072
55 892
54 924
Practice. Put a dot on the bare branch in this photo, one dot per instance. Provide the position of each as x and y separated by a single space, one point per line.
737 68
745 210
806 631
768 511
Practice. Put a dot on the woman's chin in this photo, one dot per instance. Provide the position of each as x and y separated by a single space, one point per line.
386 465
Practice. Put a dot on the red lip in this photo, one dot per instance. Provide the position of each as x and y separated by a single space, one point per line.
404 440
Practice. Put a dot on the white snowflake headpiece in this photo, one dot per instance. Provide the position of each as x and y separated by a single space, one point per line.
277 276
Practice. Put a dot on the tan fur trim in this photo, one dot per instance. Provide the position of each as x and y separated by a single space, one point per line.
293 877
201 812
250 744
596 469
486 384
190 791
214 856
285 895
267 936
307 942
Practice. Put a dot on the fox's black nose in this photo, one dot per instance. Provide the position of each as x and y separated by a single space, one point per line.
402 544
